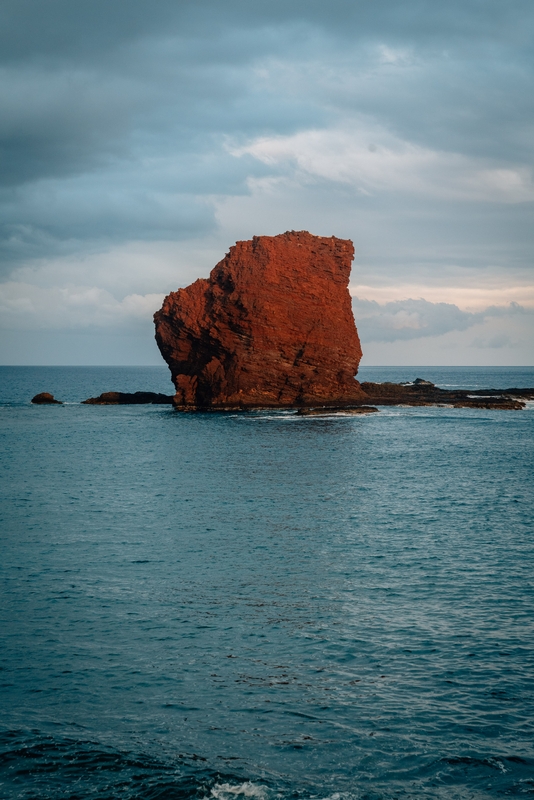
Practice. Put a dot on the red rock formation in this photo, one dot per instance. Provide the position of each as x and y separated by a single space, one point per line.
272 326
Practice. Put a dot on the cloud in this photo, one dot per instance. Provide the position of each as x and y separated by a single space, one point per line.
415 319
474 297
371 159
64 215
31 307
407 127
496 342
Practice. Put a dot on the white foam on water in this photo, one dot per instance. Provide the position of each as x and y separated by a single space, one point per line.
227 791
335 415
341 796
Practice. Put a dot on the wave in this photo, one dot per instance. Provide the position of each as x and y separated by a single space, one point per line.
37 765
33 764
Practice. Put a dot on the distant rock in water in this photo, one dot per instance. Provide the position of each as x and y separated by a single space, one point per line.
125 399
271 327
45 398
422 382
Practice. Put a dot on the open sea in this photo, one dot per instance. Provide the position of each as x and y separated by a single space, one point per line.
264 606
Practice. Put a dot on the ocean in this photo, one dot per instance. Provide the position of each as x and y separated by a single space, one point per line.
260 605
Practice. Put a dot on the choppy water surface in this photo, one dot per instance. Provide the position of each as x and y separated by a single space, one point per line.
259 605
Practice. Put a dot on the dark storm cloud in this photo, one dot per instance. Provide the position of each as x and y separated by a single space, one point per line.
81 77
83 82
116 115
77 28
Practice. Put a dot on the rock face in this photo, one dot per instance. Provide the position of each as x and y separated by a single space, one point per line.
272 326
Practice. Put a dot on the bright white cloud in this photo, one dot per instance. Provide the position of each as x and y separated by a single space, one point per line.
370 159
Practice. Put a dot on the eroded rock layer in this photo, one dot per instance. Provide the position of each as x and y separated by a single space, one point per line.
272 326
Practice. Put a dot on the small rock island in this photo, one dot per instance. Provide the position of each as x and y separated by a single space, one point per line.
271 327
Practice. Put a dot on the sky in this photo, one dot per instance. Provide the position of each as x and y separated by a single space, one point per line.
139 140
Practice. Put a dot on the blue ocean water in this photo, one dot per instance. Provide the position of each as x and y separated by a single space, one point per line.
262 605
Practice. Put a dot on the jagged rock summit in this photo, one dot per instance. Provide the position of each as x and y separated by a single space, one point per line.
271 327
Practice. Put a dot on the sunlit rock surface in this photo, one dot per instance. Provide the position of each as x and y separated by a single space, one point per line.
272 326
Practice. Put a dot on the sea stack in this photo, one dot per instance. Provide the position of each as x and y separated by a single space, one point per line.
271 327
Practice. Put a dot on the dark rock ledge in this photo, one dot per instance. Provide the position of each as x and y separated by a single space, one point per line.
126 399
418 393
424 393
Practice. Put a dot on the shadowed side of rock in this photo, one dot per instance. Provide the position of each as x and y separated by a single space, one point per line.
271 327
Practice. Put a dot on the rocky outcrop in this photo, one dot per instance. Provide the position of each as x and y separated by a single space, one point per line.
425 393
271 327
45 398
128 399
418 393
